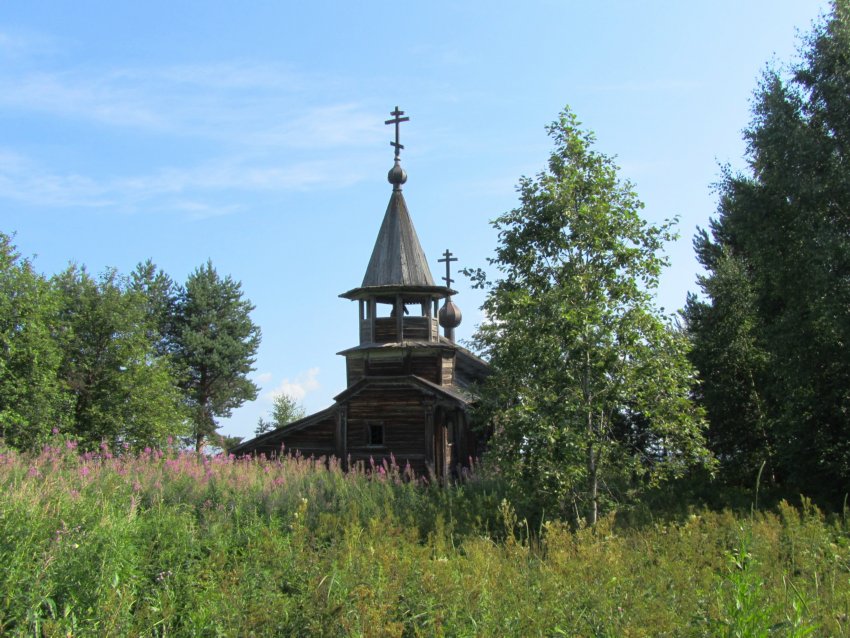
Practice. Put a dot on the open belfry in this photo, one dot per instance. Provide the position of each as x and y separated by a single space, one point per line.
408 388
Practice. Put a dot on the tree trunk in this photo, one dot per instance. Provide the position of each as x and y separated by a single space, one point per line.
592 469
593 485
203 427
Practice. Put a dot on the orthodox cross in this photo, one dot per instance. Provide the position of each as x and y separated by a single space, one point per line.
397 119
447 258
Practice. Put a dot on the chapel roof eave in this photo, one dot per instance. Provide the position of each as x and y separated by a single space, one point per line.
272 435
407 344
390 290
459 395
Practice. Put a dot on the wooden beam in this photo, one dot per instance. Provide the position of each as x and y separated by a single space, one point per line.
399 318
429 436
341 435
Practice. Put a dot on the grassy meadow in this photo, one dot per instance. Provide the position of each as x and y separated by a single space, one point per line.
173 544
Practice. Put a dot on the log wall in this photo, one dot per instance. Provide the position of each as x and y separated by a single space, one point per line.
314 440
402 413
355 369
447 369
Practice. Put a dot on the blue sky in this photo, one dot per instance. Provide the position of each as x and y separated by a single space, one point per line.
252 134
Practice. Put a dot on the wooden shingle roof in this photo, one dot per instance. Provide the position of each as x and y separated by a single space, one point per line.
397 258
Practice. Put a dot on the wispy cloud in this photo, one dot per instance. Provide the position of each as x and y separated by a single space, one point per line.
69 96
249 105
24 44
23 180
644 86
298 388
195 190
263 377
439 55
263 127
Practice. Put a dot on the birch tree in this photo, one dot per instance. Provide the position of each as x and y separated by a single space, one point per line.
589 396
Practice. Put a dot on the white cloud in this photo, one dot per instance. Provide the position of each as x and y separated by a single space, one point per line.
69 96
262 128
300 387
645 86
21 44
23 180
263 377
195 190
245 104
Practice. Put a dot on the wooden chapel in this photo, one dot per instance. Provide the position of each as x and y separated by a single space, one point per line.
409 388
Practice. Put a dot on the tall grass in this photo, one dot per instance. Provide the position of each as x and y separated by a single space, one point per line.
174 544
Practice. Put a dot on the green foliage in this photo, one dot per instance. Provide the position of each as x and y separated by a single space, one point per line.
285 411
772 332
185 545
589 392
119 359
121 389
159 295
31 398
215 342
732 361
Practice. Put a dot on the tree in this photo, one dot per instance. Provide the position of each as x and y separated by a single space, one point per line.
227 443
121 389
159 295
31 396
729 351
589 391
215 342
783 225
285 411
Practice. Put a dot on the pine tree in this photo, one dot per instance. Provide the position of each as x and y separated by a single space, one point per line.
215 343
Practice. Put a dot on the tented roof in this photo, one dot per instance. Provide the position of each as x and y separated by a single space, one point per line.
397 258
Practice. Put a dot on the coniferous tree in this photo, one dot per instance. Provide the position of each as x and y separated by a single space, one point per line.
159 295
773 349
215 343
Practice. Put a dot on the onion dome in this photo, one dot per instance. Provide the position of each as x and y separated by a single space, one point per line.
397 176
450 315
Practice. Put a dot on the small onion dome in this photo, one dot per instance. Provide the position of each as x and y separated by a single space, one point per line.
397 175
450 315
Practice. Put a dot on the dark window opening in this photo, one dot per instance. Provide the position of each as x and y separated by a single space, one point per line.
376 435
